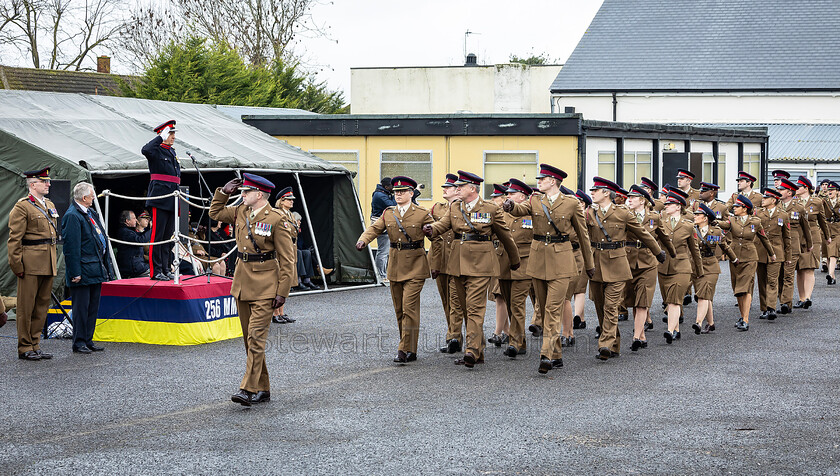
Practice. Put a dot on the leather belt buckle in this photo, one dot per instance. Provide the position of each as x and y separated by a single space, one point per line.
547 238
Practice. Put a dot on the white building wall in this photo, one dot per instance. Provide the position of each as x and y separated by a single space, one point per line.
727 183
778 108
503 88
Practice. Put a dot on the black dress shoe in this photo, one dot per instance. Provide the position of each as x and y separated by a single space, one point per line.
535 330
622 317
576 322
170 275
785 309
556 363
410 356
644 344
669 337
807 304
681 318
696 328
312 286
545 365
581 326
763 315
469 360
597 331
649 326
665 319
279 319
511 352
95 348
82 350
261 396
824 268
401 357
637 344
771 315
677 335
696 299
495 340
160 277
522 351
571 341
298 289
831 281
564 341
603 353
242 397
711 327
44 355
686 299
742 326
29 355
798 305
614 354
454 345
289 319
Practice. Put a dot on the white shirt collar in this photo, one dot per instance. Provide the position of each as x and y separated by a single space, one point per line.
403 208
256 212
553 198
84 208
606 207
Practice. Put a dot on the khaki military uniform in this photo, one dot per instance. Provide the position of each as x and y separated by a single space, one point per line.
754 196
551 261
408 268
515 286
262 272
815 214
32 238
777 228
657 206
800 238
693 196
438 257
712 242
832 213
612 269
643 264
675 273
744 231
472 262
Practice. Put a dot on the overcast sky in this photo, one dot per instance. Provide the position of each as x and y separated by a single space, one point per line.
431 33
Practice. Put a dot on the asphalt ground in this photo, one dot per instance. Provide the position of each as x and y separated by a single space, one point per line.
761 402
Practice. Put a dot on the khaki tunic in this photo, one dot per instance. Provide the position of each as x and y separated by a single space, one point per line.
675 273
37 263
643 263
778 232
711 246
815 214
754 196
743 245
833 220
515 285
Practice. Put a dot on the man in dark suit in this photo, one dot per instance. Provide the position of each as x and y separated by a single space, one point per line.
165 177
130 257
88 264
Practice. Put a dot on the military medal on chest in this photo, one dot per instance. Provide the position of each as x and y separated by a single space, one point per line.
262 229
480 217
527 224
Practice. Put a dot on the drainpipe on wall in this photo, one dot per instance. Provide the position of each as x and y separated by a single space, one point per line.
615 108
551 103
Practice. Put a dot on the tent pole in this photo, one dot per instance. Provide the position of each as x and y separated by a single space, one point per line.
311 232
110 248
362 217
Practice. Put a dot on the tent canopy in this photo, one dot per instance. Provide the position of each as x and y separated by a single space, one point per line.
98 138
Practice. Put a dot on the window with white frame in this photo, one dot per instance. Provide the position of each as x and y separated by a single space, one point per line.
416 164
636 166
501 166
709 166
606 165
752 166
349 159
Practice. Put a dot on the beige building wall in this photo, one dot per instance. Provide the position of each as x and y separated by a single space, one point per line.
502 88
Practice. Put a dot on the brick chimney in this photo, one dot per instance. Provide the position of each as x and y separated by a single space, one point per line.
103 64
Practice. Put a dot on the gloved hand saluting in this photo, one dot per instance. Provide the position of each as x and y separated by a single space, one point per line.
507 205
231 186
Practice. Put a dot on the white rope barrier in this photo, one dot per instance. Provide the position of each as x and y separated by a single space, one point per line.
126 197
189 252
205 242
132 243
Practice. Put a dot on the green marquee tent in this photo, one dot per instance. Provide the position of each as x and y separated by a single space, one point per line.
98 138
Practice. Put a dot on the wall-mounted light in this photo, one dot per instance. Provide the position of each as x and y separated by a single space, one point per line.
668 146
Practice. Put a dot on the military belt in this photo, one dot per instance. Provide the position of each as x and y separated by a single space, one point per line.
635 244
43 241
407 245
608 246
246 257
707 254
471 237
551 238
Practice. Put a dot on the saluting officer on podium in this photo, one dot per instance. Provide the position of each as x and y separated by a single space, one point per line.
165 177
263 276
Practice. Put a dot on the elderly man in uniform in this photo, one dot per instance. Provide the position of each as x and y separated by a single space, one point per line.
609 225
408 268
776 224
263 276
472 261
800 239
745 188
438 258
165 176
551 261
33 232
